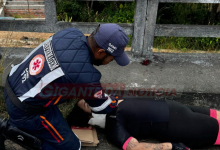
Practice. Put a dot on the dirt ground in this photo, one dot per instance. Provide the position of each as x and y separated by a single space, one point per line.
26 39
18 35
33 39
22 39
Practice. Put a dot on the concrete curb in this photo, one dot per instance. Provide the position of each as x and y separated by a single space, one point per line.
189 73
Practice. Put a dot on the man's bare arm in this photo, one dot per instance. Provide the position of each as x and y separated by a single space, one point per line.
135 145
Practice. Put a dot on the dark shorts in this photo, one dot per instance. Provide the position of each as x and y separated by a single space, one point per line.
191 125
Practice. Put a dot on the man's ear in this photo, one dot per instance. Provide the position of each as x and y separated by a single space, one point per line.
101 52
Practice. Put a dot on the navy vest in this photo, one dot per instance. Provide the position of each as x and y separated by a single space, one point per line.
62 59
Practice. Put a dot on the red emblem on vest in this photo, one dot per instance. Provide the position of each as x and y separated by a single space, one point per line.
36 64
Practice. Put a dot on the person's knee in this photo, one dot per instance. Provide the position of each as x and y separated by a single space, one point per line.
72 143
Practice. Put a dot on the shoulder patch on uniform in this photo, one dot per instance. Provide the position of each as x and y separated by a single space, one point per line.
36 64
50 56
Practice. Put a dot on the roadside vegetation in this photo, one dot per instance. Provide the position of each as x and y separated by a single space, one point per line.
123 12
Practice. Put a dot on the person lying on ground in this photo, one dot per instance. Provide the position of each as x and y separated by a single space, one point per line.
164 120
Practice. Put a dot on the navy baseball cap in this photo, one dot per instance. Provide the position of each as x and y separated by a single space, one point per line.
112 38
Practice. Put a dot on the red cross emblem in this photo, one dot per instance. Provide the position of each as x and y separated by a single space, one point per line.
36 64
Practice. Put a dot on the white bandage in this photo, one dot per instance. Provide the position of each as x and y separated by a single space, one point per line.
98 119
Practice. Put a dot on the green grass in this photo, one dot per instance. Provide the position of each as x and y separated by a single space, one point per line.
66 107
130 40
186 44
24 16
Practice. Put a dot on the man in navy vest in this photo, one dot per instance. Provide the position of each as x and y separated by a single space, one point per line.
66 58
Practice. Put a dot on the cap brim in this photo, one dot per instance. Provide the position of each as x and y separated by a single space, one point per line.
122 60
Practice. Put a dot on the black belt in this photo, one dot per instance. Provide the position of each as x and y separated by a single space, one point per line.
29 109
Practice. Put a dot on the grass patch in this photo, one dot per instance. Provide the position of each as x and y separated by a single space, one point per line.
24 16
66 107
186 44
130 41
